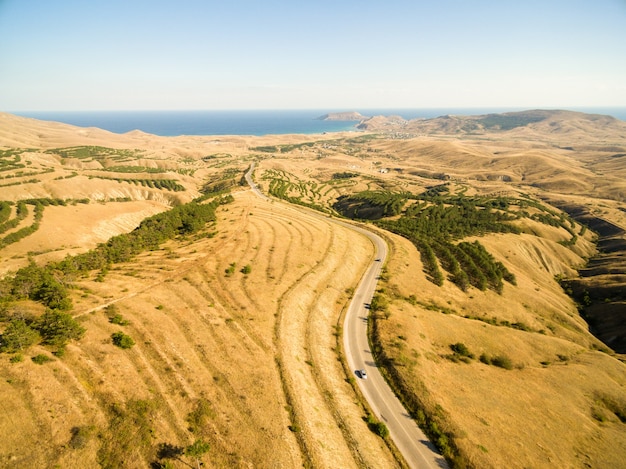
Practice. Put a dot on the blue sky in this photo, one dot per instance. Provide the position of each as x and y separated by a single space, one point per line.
322 54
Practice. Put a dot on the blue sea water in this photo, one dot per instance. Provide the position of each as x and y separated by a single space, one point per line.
174 123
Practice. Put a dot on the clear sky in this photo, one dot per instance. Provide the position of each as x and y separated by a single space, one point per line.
310 54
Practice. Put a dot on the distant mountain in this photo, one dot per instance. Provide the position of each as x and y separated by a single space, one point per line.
342 116
545 122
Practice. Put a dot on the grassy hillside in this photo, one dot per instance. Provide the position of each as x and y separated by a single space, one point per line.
223 336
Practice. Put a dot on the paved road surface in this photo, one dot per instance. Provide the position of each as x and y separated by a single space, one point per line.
410 440
408 437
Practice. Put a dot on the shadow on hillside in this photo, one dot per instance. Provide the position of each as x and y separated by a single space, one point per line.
601 288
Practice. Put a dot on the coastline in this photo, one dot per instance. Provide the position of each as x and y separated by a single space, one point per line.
172 123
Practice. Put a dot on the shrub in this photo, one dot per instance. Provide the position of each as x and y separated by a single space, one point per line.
376 426
381 429
41 359
81 436
231 269
122 340
461 349
200 415
502 361
17 358
379 303
130 434
246 269
119 320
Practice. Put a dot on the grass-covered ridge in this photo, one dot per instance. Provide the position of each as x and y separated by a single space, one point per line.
94 152
436 222
50 284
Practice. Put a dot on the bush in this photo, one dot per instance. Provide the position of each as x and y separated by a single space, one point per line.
122 340
246 269
461 349
119 320
502 361
17 358
378 427
81 436
41 359
381 429
200 415
231 269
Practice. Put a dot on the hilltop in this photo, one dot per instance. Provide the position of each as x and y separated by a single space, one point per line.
236 321
342 116
544 124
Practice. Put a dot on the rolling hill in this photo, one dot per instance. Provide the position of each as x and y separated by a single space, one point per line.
227 332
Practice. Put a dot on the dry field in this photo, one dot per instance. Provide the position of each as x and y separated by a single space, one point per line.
236 326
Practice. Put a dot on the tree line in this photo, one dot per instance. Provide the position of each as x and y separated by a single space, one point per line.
49 284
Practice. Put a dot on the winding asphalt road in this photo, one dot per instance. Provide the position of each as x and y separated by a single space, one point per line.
410 440
417 450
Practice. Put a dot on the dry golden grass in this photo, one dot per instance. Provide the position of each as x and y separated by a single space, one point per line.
258 351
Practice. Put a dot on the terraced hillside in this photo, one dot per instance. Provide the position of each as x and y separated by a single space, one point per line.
220 342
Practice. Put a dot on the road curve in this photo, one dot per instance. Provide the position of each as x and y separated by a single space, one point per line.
417 450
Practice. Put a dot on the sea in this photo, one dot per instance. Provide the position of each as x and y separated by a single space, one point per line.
253 122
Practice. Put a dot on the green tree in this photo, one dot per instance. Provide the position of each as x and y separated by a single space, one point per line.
18 336
52 294
58 328
197 450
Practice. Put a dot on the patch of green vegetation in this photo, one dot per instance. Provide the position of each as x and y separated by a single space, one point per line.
10 159
377 427
17 358
48 284
18 336
461 352
510 121
287 187
80 436
41 358
344 175
201 414
371 204
437 220
149 235
501 361
216 156
230 270
433 228
57 328
118 319
166 184
130 432
92 151
283 148
133 169
122 340
5 212
223 182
